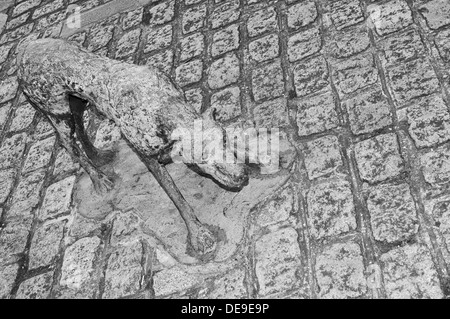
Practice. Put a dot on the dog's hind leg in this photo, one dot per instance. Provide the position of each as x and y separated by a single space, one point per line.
65 130
98 157
202 240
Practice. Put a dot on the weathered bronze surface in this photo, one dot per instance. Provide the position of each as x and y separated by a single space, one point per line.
62 80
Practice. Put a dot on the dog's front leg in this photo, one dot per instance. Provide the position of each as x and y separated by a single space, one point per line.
202 240
97 157
65 131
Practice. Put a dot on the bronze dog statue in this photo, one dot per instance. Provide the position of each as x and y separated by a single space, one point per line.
61 80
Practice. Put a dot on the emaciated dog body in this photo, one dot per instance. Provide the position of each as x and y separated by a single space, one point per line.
62 80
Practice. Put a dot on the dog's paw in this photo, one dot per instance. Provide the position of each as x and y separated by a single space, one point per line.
202 240
102 184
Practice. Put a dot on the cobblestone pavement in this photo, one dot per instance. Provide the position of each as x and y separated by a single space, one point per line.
361 209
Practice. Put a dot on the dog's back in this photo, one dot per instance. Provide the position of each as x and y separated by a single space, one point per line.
139 99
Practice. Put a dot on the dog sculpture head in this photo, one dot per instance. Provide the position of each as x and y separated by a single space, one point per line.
226 170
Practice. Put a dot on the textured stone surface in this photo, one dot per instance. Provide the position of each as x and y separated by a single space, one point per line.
132 18
331 210
194 19
47 8
39 155
78 38
45 244
265 48
277 261
223 72
49 20
128 44
378 158
24 6
311 76
192 46
100 35
17 21
161 13
443 44
4 51
304 44
78 264
5 5
322 156
227 103
162 61
125 228
5 110
392 213
81 227
429 122
390 16
64 163
414 79
7 278
225 40
436 13
409 272
172 280
436 165
36 287
189 73
225 14
23 116
401 48
6 184
43 129
124 272
316 114
368 112
355 74
347 43
195 98
17 33
13 240
301 14
8 88
278 209
57 199
262 21
345 13
230 285
440 212
271 114
267 81
26 196
340 272
12 149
